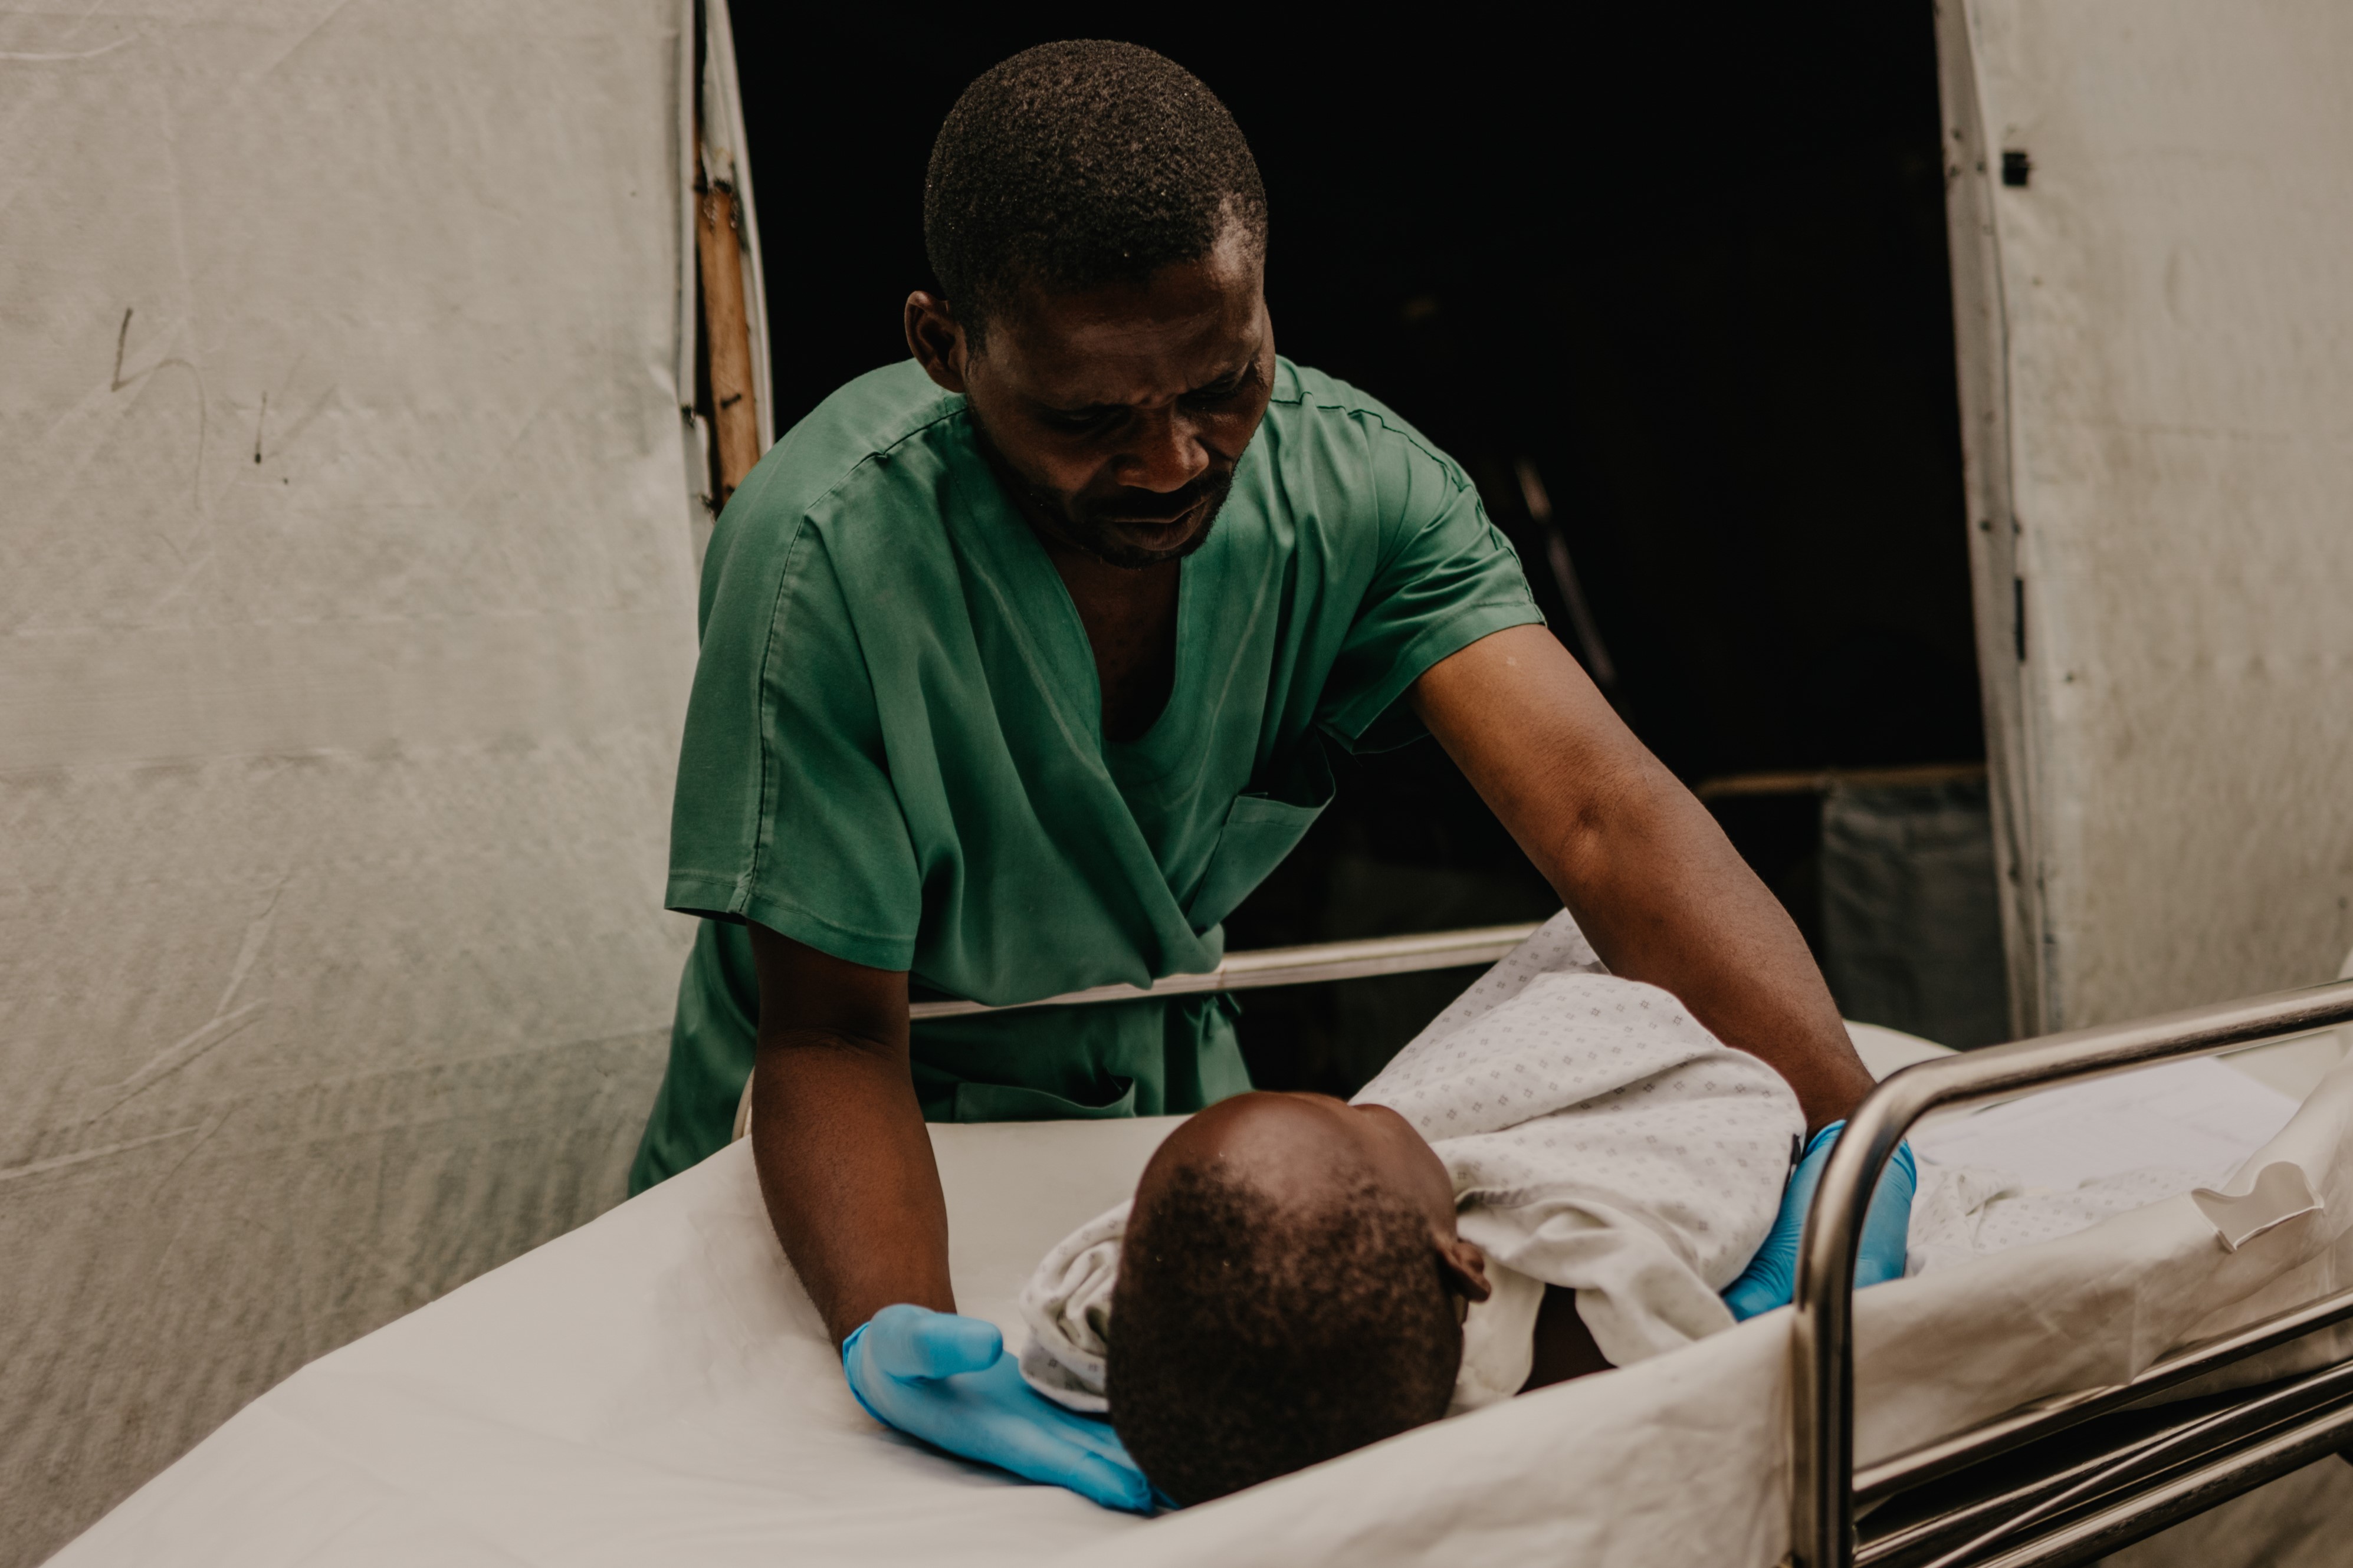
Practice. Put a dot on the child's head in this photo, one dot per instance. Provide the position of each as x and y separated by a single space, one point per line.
1291 1287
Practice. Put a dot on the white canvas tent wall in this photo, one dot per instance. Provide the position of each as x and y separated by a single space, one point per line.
346 618
2155 335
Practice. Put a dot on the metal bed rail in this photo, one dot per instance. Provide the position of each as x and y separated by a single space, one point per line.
1287 966
2130 1492
1260 967
2086 1492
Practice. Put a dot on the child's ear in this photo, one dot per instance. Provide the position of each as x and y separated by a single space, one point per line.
1464 1269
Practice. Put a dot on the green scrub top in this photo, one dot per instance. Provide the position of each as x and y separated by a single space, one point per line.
894 749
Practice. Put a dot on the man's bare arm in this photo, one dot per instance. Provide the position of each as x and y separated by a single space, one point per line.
845 1163
1650 877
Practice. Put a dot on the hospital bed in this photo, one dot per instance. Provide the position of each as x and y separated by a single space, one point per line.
655 1386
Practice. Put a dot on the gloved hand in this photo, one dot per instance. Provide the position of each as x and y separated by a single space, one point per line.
946 1378
1771 1277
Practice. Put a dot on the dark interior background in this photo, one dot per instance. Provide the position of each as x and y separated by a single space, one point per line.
1685 266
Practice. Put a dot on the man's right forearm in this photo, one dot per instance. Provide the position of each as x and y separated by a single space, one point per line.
847 1170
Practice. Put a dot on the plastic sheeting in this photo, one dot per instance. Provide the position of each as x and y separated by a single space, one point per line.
1911 910
345 626
2150 221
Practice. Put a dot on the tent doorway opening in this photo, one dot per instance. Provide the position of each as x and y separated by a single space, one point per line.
1677 297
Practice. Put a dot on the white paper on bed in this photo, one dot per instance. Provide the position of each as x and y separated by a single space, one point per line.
655 1387
2052 1164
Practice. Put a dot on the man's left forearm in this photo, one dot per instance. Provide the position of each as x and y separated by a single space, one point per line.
1641 865
1664 898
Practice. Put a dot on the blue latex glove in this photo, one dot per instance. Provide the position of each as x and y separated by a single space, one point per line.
1771 1277
946 1379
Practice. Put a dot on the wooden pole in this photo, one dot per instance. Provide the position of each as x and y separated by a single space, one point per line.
735 416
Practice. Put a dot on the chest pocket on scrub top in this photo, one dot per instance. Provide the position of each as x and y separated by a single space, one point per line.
1260 831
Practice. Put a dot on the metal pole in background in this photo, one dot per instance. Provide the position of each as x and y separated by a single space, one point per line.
727 334
1319 962
728 248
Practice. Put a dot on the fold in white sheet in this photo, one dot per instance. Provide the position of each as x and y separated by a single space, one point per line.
2279 1192
1599 1139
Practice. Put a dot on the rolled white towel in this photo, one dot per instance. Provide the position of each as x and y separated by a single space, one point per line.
1067 1304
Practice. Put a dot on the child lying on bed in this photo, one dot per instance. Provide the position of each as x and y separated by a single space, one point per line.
1558 1175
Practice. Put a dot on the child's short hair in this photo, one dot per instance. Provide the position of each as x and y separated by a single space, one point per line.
1252 1336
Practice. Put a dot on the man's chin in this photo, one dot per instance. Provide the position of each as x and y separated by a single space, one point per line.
1137 545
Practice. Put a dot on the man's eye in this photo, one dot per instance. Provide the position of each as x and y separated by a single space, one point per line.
1219 393
1085 421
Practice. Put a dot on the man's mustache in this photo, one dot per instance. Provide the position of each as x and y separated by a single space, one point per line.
1159 506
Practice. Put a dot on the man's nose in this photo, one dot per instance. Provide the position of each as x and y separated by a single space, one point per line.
1166 454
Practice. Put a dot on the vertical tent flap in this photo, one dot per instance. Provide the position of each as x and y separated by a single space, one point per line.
2149 219
346 620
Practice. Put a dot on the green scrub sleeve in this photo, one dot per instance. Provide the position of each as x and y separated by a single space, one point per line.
784 815
1447 577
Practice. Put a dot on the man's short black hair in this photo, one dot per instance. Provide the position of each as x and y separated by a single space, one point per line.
1250 1339
1077 165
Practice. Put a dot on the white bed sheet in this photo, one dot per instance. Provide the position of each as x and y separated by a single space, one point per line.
655 1387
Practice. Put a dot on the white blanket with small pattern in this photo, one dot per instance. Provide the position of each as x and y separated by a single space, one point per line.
1599 1138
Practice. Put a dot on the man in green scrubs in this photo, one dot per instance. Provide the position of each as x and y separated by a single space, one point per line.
1020 663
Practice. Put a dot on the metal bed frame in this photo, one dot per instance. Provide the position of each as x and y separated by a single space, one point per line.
1289 966
2059 1481
1324 961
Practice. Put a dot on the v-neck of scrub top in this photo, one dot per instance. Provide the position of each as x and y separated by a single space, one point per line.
1155 775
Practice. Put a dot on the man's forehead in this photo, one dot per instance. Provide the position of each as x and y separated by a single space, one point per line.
1129 368
1133 342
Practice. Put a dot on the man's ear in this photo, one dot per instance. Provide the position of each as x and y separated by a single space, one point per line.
936 339
1464 1269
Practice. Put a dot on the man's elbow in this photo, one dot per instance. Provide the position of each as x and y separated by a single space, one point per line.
1599 820
789 1043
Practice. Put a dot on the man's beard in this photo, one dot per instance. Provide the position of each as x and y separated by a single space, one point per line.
1089 525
